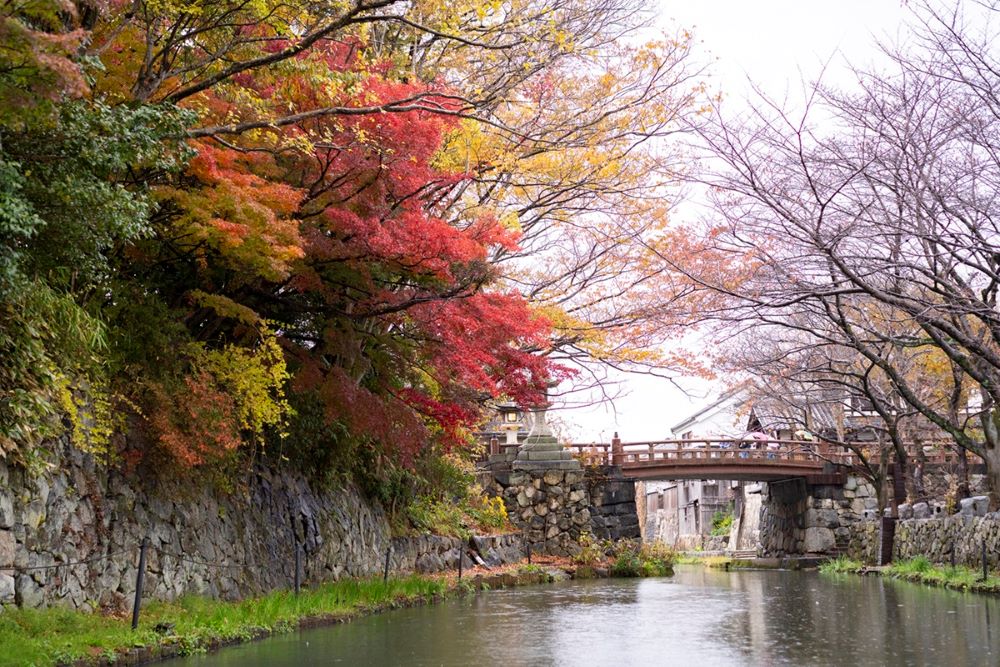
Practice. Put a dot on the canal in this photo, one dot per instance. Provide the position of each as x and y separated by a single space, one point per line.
699 617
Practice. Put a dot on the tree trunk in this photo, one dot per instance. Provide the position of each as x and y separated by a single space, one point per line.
991 455
880 487
962 488
919 491
991 451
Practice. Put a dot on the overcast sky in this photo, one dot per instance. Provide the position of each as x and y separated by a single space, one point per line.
777 44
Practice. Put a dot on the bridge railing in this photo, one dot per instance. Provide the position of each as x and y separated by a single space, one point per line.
751 450
718 450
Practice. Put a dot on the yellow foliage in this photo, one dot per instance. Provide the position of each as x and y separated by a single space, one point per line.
255 379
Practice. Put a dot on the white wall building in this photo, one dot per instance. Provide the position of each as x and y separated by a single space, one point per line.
680 513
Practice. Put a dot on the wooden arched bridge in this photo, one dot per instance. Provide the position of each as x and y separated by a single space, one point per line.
750 459
757 460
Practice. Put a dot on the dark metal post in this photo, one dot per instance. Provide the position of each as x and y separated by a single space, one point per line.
298 567
528 547
385 573
985 571
139 576
461 557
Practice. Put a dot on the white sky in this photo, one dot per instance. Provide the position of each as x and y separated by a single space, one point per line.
777 44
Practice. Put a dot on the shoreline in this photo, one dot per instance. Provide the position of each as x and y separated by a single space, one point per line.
68 638
921 571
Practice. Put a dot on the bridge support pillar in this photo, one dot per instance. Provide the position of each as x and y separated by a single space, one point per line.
799 519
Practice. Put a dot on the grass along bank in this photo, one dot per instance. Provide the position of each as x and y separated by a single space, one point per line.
55 636
59 636
920 570
717 562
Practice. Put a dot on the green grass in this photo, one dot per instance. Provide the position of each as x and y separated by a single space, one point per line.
841 565
963 578
53 636
718 562
922 571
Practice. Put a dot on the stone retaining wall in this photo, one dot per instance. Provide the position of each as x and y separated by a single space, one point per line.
202 541
934 538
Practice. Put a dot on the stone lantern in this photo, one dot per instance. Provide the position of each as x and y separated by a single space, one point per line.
511 421
541 449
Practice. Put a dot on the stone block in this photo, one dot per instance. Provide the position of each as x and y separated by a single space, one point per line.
7 547
818 540
27 592
552 478
905 511
851 484
828 519
552 466
966 507
921 511
6 588
6 510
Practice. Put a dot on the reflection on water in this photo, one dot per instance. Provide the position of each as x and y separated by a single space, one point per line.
699 617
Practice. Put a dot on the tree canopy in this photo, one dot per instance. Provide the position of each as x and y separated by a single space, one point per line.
309 226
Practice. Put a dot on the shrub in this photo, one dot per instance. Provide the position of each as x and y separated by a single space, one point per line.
632 559
592 551
438 517
489 513
722 523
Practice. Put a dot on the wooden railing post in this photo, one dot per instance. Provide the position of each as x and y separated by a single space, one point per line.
616 449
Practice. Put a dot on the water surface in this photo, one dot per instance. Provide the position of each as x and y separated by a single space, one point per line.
698 618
